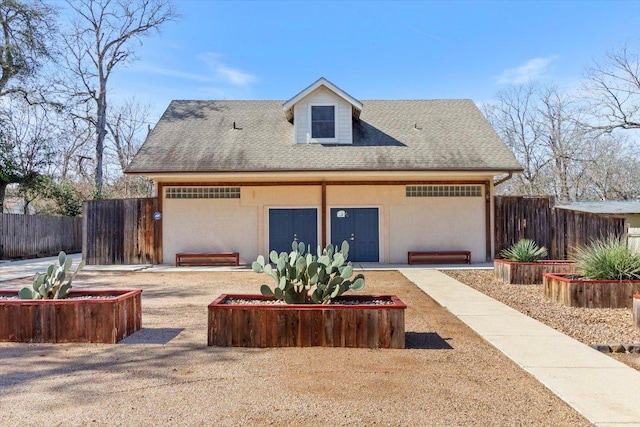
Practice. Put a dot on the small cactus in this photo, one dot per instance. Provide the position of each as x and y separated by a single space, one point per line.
297 273
52 285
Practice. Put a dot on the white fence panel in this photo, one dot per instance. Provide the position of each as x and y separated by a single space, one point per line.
633 241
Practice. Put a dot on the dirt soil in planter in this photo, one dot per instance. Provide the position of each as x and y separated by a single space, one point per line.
165 374
587 325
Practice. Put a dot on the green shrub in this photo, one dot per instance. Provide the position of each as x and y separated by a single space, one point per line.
608 259
296 274
525 250
52 285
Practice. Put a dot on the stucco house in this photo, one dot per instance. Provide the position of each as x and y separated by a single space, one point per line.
389 176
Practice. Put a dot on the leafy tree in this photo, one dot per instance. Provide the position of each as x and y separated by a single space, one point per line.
67 198
26 29
24 44
103 36
8 170
25 146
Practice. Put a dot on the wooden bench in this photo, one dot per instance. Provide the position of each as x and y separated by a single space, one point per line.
204 259
439 257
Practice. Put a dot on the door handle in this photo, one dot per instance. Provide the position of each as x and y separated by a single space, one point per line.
295 237
352 238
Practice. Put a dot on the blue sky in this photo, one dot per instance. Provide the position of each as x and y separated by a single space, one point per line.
373 49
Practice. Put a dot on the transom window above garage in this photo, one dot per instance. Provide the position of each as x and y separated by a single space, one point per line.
203 192
323 122
444 191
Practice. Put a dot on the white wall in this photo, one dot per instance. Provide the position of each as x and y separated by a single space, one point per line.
405 223
209 225
438 223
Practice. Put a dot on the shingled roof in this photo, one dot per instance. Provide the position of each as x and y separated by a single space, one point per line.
254 136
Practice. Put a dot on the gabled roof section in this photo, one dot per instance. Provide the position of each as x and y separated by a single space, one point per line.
251 136
356 106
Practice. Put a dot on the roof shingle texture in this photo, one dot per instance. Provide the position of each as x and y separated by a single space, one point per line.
198 136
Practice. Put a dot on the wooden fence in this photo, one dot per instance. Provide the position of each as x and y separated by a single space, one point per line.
559 230
32 236
121 231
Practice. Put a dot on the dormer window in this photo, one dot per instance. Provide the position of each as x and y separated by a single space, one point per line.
323 114
323 123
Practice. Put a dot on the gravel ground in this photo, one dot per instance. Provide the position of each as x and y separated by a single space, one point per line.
165 374
588 325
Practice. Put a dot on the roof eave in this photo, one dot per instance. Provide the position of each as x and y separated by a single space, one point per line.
449 170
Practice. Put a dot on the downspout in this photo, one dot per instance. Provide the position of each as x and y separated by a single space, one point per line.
490 236
503 180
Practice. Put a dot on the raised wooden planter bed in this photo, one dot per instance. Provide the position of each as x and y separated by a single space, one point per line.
568 290
529 273
306 325
99 320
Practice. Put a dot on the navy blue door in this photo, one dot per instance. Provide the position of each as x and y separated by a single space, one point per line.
359 227
287 225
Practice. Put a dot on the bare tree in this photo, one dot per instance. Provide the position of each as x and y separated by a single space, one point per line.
514 116
128 127
611 169
613 89
103 36
560 155
564 138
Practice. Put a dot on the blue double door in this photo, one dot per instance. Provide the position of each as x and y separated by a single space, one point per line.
289 225
358 226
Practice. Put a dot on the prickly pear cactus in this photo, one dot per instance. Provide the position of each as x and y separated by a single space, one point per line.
302 277
52 285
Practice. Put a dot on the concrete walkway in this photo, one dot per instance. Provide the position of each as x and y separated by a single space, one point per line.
603 390
10 270
600 388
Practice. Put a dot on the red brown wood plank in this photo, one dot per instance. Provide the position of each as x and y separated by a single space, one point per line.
384 328
397 328
305 328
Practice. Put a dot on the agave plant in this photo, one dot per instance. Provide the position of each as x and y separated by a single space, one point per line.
525 250
608 259
299 273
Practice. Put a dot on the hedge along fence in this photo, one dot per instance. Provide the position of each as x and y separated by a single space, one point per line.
559 230
31 236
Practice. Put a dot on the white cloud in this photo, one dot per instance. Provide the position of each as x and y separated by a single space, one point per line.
221 72
212 70
166 72
532 70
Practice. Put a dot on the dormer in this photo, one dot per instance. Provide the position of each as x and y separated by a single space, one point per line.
322 113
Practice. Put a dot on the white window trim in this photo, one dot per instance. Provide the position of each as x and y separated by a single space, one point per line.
335 123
